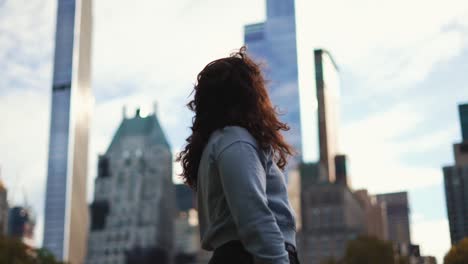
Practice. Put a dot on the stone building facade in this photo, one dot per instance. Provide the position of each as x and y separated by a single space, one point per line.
134 202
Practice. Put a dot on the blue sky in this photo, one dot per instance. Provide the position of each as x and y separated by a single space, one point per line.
402 63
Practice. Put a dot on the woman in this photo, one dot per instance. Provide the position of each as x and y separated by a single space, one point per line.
234 161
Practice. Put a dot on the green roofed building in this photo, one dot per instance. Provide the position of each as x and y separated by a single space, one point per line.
134 204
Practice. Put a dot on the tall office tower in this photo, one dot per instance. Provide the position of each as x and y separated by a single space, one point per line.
376 215
327 86
273 43
456 183
397 216
132 215
21 223
66 211
3 209
331 216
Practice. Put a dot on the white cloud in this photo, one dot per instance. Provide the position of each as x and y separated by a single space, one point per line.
376 144
386 44
432 236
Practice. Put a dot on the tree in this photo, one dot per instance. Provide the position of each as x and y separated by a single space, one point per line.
458 254
14 251
369 250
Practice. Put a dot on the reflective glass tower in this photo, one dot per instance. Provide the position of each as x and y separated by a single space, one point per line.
66 212
273 43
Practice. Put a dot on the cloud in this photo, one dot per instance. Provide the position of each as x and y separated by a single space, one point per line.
25 45
376 144
387 45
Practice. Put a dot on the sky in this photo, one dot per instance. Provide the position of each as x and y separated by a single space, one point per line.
402 66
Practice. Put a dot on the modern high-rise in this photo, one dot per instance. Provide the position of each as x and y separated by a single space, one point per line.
66 210
456 183
132 215
397 216
273 43
327 86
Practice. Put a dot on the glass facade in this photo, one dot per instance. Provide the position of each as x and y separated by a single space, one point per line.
273 43
65 206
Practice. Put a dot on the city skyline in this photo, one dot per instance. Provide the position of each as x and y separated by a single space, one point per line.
408 142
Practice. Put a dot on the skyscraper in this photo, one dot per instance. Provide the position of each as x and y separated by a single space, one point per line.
66 211
327 86
273 43
132 215
456 183
397 216
331 213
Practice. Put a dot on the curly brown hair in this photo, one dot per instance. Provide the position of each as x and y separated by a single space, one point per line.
231 91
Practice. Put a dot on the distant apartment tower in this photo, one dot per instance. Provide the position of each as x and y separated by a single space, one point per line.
3 209
331 216
66 211
273 43
456 183
397 216
132 215
21 223
375 215
327 87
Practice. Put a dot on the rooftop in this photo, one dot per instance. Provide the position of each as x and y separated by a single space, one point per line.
140 126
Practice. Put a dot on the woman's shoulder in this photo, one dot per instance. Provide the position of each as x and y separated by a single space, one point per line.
229 135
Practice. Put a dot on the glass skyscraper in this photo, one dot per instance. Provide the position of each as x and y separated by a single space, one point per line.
456 183
66 211
273 43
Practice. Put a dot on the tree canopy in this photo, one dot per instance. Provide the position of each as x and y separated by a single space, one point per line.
13 250
369 250
458 254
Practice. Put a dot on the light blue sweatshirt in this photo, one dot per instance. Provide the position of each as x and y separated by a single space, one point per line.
242 195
